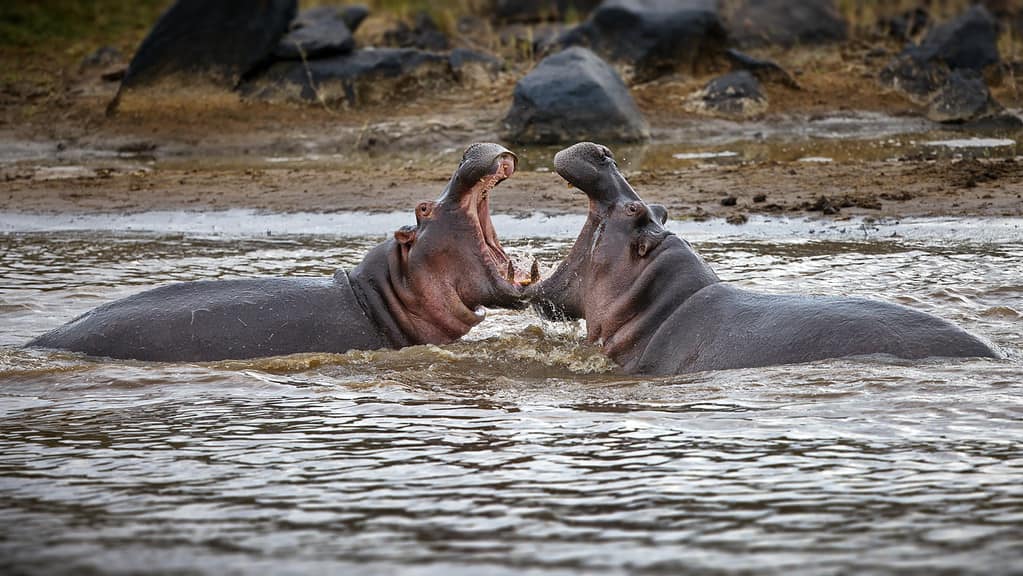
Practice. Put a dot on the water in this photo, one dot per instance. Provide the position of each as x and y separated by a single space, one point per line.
519 450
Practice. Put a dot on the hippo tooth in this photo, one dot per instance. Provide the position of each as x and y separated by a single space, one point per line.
534 272
511 272
480 312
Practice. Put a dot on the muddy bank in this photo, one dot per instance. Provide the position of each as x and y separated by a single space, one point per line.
840 146
963 187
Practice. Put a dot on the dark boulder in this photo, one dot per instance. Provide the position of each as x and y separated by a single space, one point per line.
969 42
654 37
913 74
533 11
212 43
423 33
734 94
786 23
963 97
764 70
316 33
361 77
570 96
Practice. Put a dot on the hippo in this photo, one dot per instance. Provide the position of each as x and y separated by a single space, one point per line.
428 284
653 305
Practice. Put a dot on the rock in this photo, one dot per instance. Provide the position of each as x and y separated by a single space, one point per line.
474 68
786 23
911 73
759 198
423 34
196 42
764 70
736 219
316 33
353 16
823 205
969 41
963 97
1003 122
653 37
361 77
570 96
533 11
966 43
729 201
734 94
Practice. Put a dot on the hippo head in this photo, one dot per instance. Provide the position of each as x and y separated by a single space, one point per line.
451 264
621 236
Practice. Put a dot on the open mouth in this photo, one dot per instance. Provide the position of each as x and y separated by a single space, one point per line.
490 246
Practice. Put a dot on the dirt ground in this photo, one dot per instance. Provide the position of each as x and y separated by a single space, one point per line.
63 154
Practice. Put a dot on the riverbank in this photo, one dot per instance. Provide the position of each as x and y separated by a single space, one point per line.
964 187
839 146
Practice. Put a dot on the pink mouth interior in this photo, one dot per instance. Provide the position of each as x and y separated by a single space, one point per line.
490 245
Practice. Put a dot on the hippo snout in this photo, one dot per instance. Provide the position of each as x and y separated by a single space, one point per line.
581 163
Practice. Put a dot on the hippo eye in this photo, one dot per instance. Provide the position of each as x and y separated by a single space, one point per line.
424 209
632 209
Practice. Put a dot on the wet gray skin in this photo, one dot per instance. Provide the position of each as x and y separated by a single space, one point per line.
427 285
655 307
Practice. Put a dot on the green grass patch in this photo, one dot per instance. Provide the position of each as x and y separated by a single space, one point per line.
35 23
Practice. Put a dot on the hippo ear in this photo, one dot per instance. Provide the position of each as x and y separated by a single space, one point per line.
424 210
405 235
645 245
659 213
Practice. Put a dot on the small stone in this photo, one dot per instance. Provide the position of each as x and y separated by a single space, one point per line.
823 205
734 94
316 33
104 56
353 16
729 201
760 198
764 70
737 219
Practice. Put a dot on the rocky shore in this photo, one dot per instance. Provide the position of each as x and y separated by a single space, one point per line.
372 103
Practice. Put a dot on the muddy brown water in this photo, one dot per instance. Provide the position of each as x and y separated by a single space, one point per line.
519 450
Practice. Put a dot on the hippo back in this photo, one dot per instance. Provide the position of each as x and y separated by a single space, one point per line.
215 320
722 327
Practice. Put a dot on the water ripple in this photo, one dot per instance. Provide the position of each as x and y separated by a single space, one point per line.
519 450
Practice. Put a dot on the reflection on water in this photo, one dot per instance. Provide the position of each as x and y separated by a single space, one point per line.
518 450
